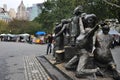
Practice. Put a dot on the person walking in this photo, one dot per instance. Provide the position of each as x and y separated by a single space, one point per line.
49 43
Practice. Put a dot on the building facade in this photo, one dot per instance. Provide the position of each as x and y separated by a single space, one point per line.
34 11
21 12
12 13
4 15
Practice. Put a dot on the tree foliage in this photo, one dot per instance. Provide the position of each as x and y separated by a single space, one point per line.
55 10
3 27
22 26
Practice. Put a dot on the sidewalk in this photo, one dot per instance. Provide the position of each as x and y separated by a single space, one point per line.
34 70
54 72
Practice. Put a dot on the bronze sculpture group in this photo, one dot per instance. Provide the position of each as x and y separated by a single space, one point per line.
78 33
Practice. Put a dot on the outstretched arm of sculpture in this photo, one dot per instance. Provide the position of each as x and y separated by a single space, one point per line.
61 31
83 41
92 32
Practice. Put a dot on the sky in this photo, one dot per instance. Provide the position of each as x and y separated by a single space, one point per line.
15 3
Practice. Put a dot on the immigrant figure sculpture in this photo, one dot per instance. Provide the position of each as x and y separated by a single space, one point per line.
60 31
84 45
102 53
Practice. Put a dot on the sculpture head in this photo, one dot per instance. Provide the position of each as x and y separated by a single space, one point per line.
78 10
56 23
102 23
105 29
65 21
83 15
89 20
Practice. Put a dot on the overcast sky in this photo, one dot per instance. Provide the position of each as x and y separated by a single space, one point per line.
15 3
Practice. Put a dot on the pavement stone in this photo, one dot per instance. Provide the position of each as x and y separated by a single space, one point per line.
34 70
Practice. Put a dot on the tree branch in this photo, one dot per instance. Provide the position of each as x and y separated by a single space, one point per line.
112 4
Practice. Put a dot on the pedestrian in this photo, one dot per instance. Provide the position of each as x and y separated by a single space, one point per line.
49 43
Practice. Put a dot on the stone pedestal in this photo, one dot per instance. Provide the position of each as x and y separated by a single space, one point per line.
59 56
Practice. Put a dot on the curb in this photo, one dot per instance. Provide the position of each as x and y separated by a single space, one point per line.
69 78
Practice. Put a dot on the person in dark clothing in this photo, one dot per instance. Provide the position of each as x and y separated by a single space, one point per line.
49 43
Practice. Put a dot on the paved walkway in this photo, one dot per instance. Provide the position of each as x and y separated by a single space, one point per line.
34 70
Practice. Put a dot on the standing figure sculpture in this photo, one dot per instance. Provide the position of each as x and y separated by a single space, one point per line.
84 47
102 52
60 31
77 25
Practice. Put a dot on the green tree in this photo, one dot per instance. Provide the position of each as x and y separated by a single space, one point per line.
22 26
55 10
102 8
3 27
